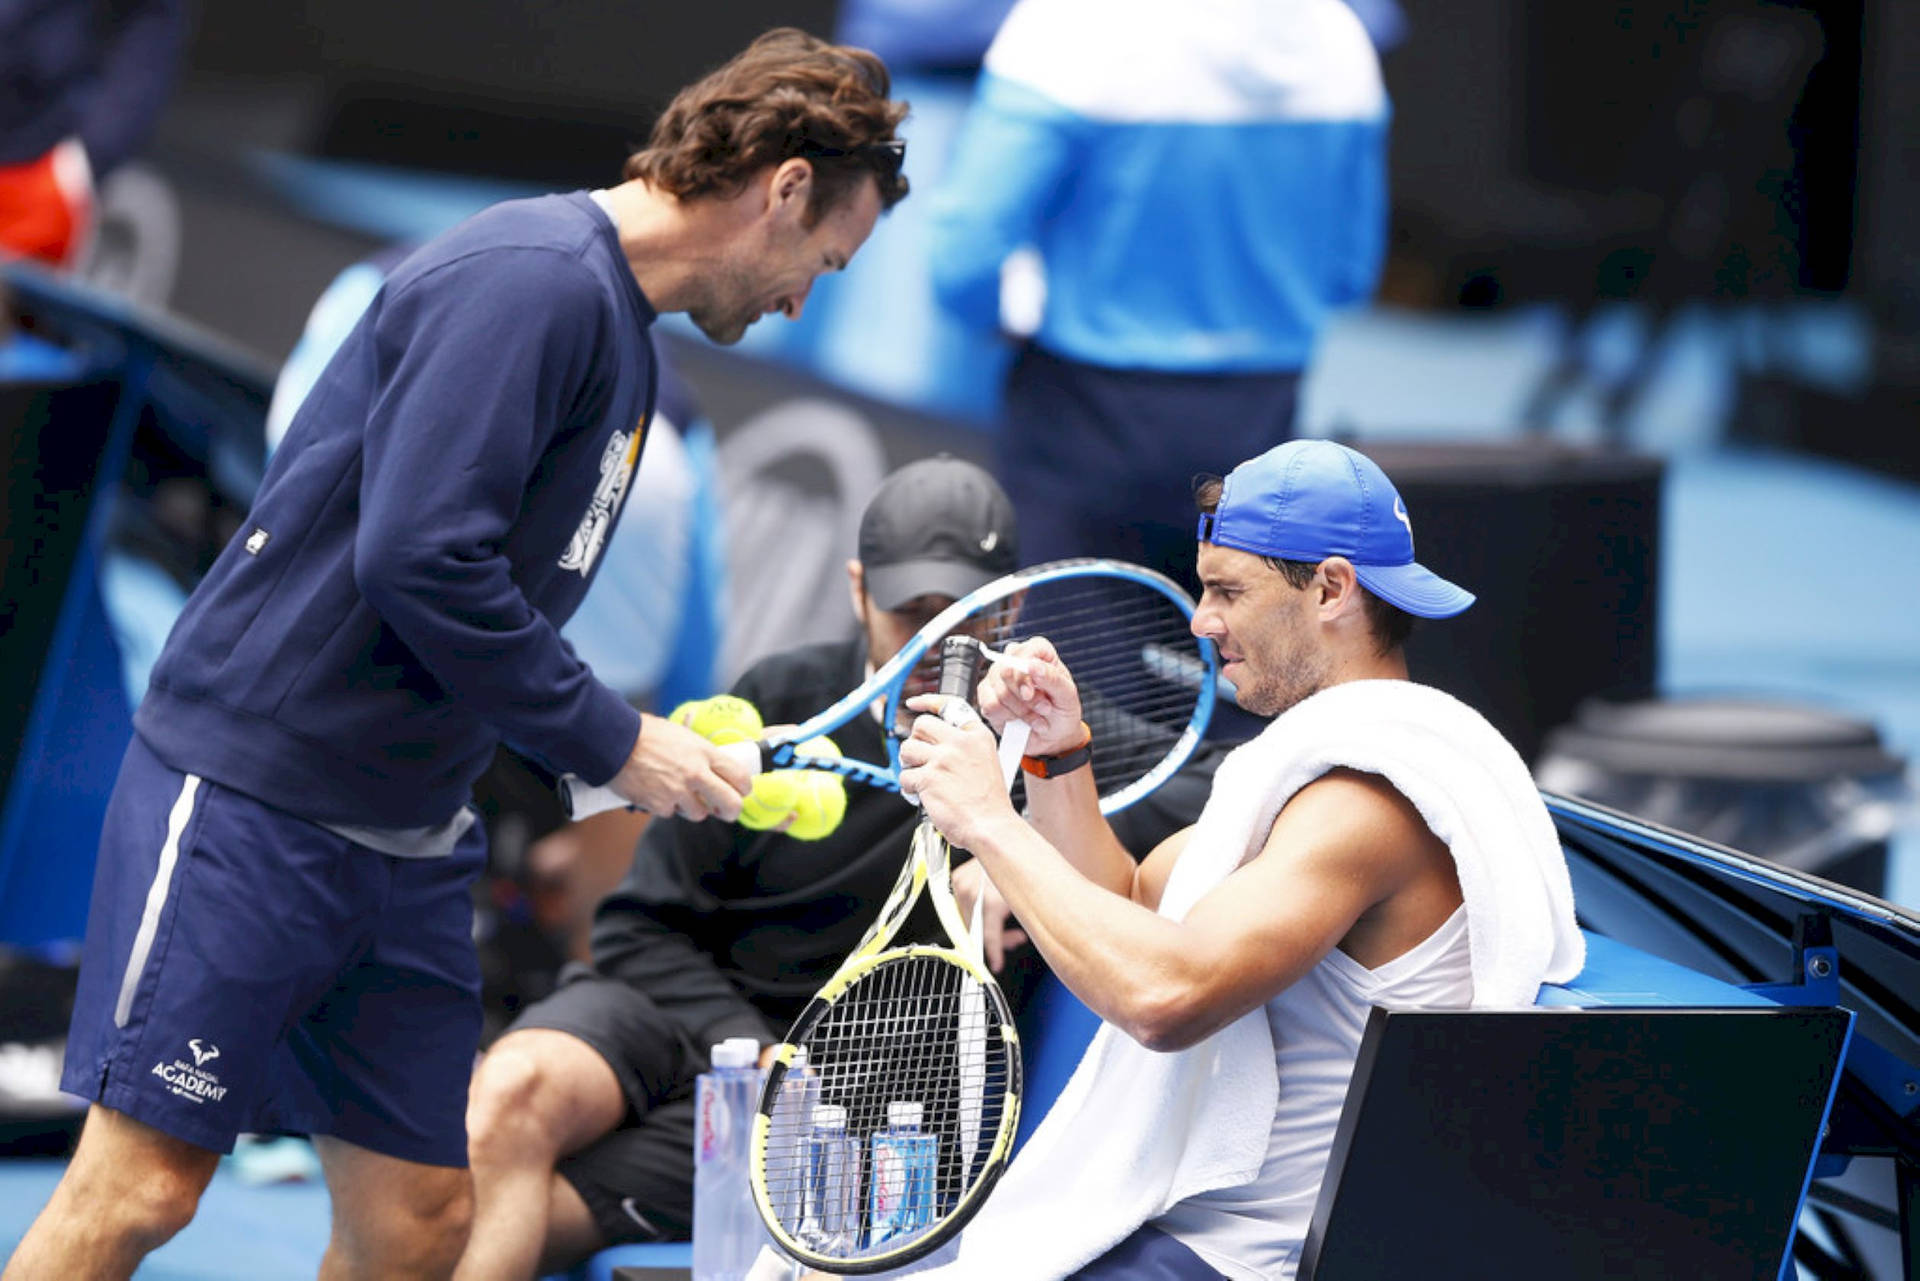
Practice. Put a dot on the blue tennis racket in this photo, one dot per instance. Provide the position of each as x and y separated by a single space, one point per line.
1146 682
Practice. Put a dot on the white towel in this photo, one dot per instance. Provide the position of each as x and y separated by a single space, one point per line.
1135 1132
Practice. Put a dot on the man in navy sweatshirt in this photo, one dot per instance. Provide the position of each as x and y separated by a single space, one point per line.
280 932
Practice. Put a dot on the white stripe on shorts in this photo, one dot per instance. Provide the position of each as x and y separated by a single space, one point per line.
156 899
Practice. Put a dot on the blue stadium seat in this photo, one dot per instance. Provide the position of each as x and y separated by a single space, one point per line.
673 1255
1619 974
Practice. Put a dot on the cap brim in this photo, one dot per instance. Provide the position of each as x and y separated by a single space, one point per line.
892 586
1414 588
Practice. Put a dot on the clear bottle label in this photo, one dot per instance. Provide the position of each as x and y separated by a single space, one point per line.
889 1181
716 1121
900 1201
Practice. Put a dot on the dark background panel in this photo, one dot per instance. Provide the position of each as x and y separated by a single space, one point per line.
51 440
1562 549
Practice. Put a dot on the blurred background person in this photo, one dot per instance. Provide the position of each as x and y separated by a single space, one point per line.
1199 192
81 85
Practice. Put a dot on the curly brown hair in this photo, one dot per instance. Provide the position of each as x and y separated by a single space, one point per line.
787 94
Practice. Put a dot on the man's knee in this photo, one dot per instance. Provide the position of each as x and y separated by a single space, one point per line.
164 1203
418 1231
440 1215
538 1094
515 1089
141 1181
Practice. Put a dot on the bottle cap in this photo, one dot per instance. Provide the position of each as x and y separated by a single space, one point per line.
736 1052
904 1114
830 1116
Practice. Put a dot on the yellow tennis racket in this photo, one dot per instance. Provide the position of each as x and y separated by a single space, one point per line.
887 1138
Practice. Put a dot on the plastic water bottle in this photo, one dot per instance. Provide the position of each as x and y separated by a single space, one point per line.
726 1228
787 1136
830 1215
901 1199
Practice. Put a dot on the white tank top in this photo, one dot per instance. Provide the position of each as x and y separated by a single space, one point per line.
1255 1231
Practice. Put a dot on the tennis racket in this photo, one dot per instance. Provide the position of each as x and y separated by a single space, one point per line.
898 1121
1146 683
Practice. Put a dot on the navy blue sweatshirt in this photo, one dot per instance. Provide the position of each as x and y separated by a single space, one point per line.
391 608
98 70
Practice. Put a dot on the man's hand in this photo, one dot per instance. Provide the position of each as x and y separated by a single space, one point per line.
1034 686
997 937
954 773
673 770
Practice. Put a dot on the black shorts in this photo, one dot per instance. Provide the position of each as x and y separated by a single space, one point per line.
638 1180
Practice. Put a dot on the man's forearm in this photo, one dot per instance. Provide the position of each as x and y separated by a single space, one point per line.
1128 964
1066 812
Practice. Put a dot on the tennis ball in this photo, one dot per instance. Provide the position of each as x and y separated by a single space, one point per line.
822 804
817 800
720 719
818 745
774 796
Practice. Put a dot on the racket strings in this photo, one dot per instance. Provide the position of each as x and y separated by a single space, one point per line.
1135 661
913 1030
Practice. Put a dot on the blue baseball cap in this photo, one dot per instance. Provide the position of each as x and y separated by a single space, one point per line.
1310 499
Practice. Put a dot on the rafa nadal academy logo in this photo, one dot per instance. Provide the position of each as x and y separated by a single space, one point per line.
192 1081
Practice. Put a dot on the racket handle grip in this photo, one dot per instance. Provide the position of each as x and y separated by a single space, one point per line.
749 752
959 667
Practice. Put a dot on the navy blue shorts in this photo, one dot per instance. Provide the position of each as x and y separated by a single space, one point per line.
1148 1255
246 971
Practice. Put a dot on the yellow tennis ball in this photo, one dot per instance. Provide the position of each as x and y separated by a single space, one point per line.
820 800
821 804
815 799
722 714
773 797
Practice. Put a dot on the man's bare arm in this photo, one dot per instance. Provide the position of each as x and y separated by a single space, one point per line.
1035 687
1344 845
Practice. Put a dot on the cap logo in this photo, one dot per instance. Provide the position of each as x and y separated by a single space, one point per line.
1400 514
991 541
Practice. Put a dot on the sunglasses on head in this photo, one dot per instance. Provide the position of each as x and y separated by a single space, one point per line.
885 158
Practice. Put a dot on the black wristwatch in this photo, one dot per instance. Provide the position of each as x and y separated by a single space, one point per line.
1065 762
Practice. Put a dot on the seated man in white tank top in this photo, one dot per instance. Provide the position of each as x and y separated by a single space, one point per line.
1379 843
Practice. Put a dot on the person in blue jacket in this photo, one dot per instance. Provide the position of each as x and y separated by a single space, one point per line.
280 935
1200 187
81 84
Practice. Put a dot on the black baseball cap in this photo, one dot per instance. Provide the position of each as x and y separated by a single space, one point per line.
940 526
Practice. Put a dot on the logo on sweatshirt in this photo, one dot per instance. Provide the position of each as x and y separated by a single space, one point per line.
617 462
